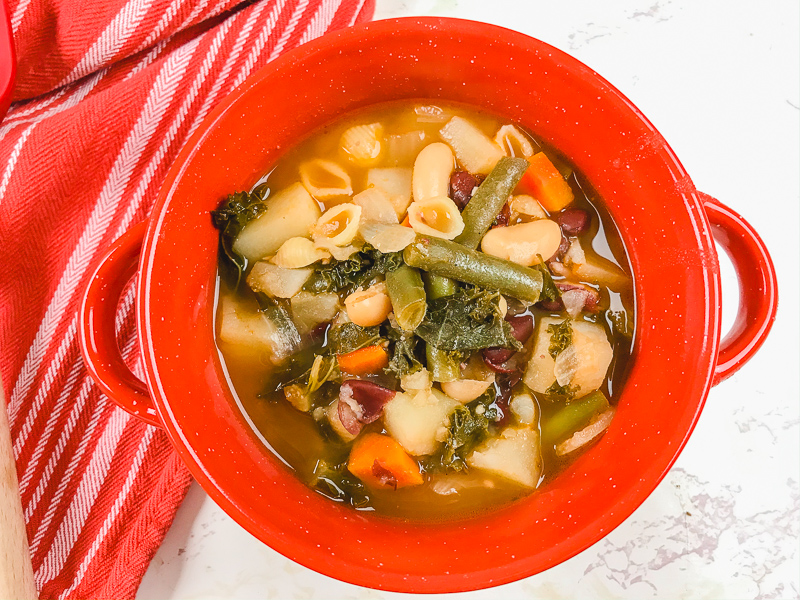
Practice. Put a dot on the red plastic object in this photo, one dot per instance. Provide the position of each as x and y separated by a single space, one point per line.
8 63
662 219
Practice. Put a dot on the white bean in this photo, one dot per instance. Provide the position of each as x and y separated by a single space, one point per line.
465 390
432 170
524 243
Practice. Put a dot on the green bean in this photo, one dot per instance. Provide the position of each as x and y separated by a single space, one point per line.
407 295
573 417
441 364
437 286
489 199
448 259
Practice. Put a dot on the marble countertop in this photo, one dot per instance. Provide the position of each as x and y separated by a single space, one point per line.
721 82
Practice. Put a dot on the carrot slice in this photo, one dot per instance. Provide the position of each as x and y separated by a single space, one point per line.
544 182
406 222
380 462
364 360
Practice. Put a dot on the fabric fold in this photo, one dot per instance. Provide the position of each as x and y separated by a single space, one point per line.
113 93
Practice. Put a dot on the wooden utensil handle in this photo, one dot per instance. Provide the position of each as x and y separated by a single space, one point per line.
16 573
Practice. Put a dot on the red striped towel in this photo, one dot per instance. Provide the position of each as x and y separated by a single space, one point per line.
107 93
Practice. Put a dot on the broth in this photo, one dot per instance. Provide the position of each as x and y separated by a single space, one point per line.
305 441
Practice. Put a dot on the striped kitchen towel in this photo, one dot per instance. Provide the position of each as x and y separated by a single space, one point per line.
106 95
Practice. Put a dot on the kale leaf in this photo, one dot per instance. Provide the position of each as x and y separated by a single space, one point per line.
550 291
348 337
323 370
470 319
560 337
469 426
564 391
337 483
233 213
361 269
404 359
620 322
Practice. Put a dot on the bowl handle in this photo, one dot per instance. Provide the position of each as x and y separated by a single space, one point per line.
758 288
98 339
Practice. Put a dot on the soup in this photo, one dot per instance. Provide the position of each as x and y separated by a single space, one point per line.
423 310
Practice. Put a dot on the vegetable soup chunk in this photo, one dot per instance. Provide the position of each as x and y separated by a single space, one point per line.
425 310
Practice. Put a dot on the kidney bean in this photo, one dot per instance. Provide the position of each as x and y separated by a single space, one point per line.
496 359
551 305
384 475
365 398
319 332
504 384
521 327
591 297
574 221
503 218
461 185
347 417
563 246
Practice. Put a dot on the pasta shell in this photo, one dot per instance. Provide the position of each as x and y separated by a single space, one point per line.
438 217
363 143
386 238
513 142
338 225
375 206
337 252
325 180
298 252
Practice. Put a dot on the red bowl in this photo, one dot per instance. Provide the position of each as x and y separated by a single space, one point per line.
666 225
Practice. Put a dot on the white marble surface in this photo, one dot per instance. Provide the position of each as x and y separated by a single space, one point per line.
720 80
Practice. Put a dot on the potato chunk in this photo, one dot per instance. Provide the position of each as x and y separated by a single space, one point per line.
252 331
539 372
415 420
309 310
515 455
582 365
290 213
396 183
276 281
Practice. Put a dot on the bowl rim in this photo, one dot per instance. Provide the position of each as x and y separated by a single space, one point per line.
183 445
